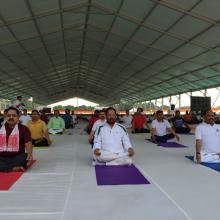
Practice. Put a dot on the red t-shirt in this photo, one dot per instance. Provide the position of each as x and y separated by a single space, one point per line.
138 121
92 120
44 118
24 137
187 118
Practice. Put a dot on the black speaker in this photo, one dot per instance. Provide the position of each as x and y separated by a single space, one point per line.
172 107
200 103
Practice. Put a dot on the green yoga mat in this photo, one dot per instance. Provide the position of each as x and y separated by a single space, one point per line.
40 147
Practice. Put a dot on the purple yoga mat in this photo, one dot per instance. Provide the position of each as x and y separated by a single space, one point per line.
172 145
119 175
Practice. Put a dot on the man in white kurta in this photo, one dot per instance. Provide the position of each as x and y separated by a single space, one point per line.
25 118
208 140
127 120
112 145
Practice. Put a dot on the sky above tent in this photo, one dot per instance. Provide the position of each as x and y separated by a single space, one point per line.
74 102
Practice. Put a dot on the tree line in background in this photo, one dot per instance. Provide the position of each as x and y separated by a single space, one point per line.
71 107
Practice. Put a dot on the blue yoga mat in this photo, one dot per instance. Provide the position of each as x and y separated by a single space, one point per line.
119 175
214 166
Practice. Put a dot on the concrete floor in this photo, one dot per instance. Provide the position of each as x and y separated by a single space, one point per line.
62 185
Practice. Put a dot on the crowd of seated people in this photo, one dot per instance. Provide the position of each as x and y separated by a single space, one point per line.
110 139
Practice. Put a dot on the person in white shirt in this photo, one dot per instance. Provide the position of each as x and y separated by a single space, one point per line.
24 117
96 125
207 140
161 130
112 145
127 120
18 104
74 118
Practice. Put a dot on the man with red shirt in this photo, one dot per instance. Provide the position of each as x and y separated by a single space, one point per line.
139 122
92 120
44 117
15 143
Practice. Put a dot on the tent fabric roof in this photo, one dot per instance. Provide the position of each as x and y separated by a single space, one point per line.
108 51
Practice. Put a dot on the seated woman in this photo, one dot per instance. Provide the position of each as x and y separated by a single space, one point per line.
38 129
179 125
159 129
15 143
207 140
112 145
56 124
139 122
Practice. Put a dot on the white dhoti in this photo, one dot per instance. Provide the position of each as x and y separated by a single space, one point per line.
55 131
113 159
209 157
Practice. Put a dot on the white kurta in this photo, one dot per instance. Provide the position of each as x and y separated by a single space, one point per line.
210 141
127 120
97 124
113 143
24 119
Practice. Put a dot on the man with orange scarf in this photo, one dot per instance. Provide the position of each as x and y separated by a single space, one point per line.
15 143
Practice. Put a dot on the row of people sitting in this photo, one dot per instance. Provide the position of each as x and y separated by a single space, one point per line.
70 120
20 133
112 146
138 122
17 140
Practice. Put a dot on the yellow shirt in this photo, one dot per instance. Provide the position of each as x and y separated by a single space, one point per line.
37 129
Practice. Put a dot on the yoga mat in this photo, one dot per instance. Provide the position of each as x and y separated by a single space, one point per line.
189 134
214 166
168 144
40 147
148 139
8 179
171 145
119 175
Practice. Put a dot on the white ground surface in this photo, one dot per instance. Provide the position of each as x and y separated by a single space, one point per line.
62 185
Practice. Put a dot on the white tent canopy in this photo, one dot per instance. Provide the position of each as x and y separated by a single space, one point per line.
108 51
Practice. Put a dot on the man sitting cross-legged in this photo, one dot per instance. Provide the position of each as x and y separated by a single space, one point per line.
56 124
139 122
15 143
160 128
179 125
208 140
112 145
38 129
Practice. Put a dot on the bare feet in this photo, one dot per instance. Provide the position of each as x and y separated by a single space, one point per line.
17 169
